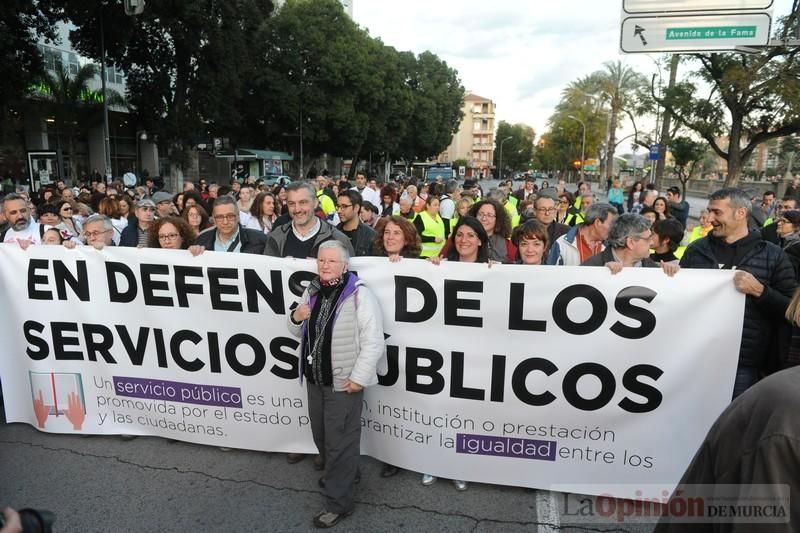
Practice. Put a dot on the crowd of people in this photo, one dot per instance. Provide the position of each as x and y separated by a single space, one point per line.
333 221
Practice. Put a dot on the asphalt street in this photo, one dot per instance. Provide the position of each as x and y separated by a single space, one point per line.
107 484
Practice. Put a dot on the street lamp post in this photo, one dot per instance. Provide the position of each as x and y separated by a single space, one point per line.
583 142
656 140
500 165
141 135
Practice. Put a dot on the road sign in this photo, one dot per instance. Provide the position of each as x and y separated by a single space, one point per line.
673 6
694 33
654 149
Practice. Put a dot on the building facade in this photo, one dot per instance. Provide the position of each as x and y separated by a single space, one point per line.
474 140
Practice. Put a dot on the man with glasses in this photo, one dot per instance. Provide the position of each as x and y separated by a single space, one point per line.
228 235
545 210
629 242
584 240
98 231
360 234
21 227
135 235
770 231
302 236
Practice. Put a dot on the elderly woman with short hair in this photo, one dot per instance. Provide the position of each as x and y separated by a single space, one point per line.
340 328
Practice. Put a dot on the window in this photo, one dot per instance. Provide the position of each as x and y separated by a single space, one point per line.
73 64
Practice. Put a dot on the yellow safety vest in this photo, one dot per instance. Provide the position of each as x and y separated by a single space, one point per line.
680 251
399 214
579 218
433 228
325 203
697 233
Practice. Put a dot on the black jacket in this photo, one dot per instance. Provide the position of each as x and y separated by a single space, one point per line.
771 267
362 239
755 441
253 241
554 231
130 235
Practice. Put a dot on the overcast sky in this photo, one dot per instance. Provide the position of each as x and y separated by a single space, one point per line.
519 53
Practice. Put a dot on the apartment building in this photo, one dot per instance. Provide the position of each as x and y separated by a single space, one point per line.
474 140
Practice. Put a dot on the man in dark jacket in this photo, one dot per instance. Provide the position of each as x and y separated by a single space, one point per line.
361 235
135 235
770 232
677 205
755 441
228 235
544 208
764 274
302 236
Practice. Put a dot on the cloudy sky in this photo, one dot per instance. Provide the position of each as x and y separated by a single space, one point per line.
519 53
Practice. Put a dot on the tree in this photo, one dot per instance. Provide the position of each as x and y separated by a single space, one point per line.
687 154
72 102
787 154
187 63
751 98
22 22
518 150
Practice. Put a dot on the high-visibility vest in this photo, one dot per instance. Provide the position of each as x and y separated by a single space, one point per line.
768 222
510 209
513 200
578 217
680 251
433 228
325 203
697 233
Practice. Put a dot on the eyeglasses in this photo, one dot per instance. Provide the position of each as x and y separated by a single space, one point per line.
563 201
168 237
545 209
784 221
93 234
486 215
225 218
66 208
147 208
344 206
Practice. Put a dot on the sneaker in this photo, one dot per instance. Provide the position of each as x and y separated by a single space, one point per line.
327 519
428 479
389 470
460 485
293 458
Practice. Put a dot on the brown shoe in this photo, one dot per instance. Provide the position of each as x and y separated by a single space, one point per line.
293 458
319 462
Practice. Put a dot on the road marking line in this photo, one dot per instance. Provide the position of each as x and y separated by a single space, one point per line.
547 512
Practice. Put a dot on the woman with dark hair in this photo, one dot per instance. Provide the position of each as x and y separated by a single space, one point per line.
279 192
66 210
497 224
196 217
172 233
471 243
432 228
263 212
191 198
634 193
661 207
530 238
562 208
125 204
395 238
109 207
388 204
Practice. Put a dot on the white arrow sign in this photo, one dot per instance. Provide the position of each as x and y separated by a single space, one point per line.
672 6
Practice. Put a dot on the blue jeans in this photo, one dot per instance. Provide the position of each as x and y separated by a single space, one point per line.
746 377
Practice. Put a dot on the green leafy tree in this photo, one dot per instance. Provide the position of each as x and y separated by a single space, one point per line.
188 64
22 22
688 156
518 150
751 98
73 101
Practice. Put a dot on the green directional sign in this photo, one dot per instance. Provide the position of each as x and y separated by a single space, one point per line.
712 32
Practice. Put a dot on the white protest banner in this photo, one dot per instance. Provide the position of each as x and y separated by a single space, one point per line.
530 376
